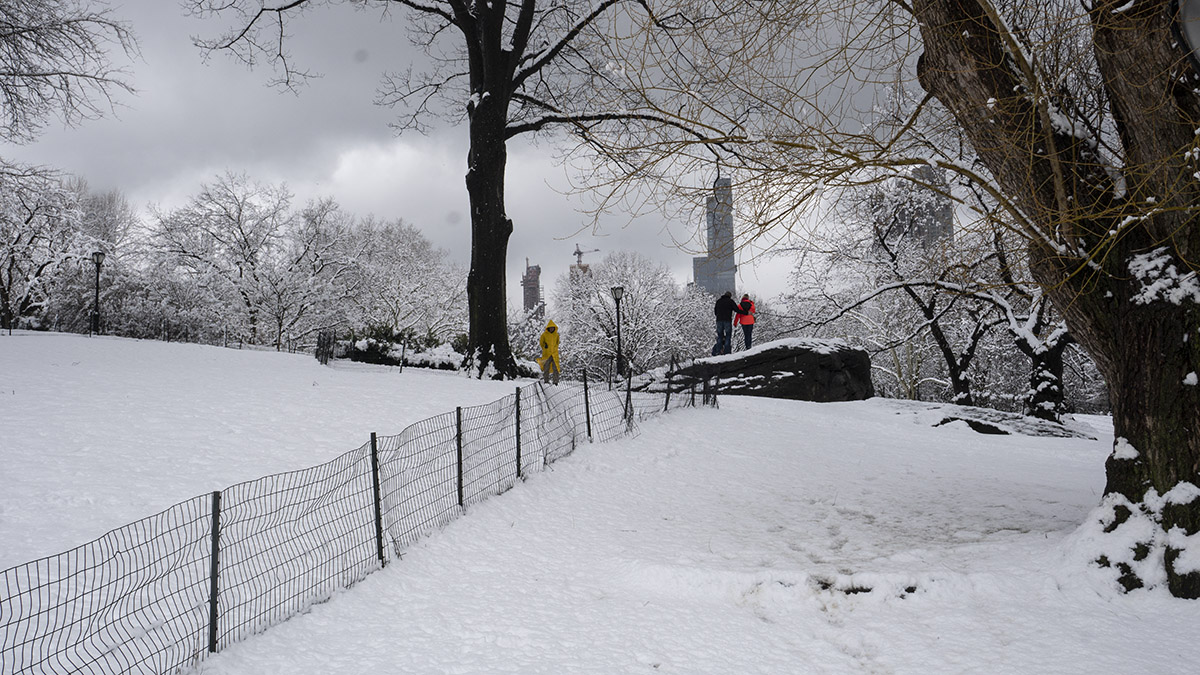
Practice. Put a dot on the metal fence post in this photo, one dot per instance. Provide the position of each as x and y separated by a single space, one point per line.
518 408
670 372
458 436
378 500
214 572
629 403
587 406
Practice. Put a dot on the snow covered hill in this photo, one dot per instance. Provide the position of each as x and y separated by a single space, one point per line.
764 537
99 432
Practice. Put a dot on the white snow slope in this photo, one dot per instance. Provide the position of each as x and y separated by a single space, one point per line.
716 541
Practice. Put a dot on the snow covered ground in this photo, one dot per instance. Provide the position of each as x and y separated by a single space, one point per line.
765 537
99 432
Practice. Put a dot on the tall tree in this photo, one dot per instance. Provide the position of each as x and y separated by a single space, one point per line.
513 68
1115 246
54 62
1082 123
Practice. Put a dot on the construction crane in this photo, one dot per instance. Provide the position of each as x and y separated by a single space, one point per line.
579 254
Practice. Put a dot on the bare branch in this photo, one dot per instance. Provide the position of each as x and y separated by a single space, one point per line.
55 62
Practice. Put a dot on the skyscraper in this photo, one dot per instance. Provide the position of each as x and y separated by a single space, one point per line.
716 271
531 284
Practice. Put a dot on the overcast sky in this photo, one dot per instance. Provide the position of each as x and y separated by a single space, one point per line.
192 120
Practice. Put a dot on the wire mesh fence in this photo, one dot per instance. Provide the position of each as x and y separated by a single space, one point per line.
132 601
156 596
289 540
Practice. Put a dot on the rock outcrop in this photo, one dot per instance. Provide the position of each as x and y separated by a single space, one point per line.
796 368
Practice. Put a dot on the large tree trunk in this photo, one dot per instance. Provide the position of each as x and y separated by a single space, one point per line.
1156 419
1140 323
490 353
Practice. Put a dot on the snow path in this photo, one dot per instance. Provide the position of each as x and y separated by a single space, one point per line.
682 551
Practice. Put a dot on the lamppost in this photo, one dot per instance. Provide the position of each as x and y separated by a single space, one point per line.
98 258
618 292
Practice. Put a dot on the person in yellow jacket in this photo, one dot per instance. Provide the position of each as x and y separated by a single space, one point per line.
549 361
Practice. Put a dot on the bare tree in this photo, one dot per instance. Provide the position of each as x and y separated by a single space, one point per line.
509 68
227 238
405 286
54 61
1082 128
305 280
39 237
658 318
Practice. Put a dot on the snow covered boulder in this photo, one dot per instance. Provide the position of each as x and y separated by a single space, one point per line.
795 368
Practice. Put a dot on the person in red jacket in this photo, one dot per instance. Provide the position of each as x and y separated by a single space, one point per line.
745 318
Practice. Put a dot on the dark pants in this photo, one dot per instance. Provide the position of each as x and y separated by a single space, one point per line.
747 329
724 338
550 368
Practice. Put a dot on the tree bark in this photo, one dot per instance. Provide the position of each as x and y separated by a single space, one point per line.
1145 343
1046 394
487 303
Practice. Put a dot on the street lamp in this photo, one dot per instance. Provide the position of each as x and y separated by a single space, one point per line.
618 292
98 258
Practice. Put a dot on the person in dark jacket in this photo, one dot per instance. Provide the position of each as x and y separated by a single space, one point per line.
746 320
724 311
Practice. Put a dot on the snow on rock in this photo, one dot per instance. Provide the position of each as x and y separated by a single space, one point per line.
796 368
987 421
1190 379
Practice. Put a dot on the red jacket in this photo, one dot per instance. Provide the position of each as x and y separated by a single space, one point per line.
746 319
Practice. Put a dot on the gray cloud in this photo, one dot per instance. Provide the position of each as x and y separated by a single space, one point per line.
194 119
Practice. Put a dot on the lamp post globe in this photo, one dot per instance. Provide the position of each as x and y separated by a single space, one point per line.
618 292
98 260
